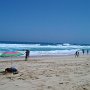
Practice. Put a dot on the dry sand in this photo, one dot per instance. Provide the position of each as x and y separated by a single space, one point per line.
48 73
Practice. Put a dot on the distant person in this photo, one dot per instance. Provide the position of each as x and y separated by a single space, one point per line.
87 51
83 51
27 55
76 53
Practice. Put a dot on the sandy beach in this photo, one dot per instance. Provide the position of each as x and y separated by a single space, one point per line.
48 73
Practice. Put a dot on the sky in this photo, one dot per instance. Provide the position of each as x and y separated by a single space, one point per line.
56 21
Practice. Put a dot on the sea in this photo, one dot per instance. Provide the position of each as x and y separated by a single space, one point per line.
42 49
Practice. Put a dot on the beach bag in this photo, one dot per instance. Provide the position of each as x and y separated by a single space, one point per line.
11 70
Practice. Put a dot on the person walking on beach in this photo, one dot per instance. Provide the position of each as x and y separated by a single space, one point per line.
87 51
76 53
27 55
83 51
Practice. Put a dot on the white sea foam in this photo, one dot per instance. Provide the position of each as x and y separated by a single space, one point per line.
55 52
42 46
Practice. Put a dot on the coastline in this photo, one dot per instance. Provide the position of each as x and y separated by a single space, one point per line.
22 58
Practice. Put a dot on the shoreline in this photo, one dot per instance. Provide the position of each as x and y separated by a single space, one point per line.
21 58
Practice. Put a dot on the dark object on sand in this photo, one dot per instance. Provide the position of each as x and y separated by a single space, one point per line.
11 70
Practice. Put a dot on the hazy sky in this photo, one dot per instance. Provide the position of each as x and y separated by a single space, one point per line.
45 21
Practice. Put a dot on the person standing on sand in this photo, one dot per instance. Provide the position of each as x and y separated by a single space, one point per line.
76 53
87 51
83 51
27 55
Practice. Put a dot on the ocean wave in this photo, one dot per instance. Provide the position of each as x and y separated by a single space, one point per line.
38 49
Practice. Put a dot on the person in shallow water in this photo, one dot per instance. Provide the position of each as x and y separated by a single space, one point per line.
27 55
